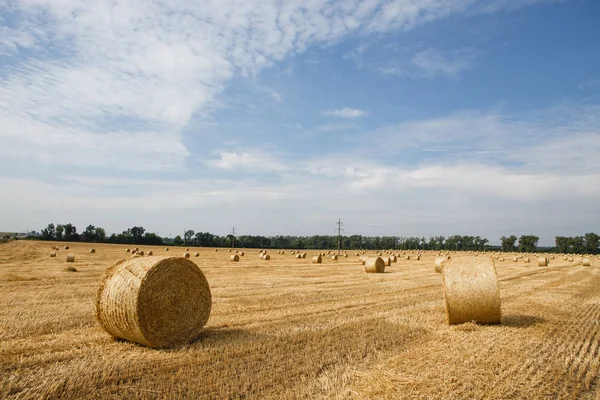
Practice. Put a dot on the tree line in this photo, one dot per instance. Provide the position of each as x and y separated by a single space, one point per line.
589 243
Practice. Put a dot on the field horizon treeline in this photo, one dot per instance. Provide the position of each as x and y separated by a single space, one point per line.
588 243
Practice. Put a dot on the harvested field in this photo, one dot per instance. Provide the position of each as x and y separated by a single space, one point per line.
291 329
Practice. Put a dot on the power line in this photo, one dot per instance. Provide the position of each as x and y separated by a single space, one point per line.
233 237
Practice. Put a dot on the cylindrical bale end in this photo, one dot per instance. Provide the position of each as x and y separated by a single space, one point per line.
375 265
317 259
234 258
155 301
70 257
440 262
542 262
471 291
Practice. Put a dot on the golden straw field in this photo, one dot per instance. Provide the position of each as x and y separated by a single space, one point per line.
285 328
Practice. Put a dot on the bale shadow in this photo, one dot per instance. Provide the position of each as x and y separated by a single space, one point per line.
521 321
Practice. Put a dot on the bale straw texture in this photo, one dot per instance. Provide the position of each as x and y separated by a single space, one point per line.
542 262
70 257
375 265
440 262
317 259
92 251
157 302
587 262
234 258
471 291
53 254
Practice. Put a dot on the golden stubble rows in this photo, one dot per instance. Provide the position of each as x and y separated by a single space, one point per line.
287 328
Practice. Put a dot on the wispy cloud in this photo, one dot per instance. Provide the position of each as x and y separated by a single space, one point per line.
346 113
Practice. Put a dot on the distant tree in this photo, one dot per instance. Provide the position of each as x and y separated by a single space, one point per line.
137 234
177 241
100 234
89 235
592 243
71 232
49 233
508 243
187 237
528 243
59 231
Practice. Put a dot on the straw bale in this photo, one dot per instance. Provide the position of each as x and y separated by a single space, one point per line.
159 302
374 265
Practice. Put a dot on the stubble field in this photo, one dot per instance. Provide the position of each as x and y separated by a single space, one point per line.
286 329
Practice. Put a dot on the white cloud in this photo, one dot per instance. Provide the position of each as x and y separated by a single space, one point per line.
346 113
432 63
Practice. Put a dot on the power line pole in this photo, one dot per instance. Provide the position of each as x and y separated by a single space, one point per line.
339 232
233 237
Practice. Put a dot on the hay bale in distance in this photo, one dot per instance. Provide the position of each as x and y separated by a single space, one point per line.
216 250
387 261
334 257
266 257
150 253
157 302
186 255
542 262
70 269
71 257
92 251
407 258
166 249
303 255
196 254
317 259
515 259
53 254
299 256
471 291
587 262
570 259
234 257
66 247
440 262
375 265
127 250
526 259
141 252
241 253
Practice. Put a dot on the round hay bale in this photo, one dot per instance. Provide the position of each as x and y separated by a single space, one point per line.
542 262
66 247
166 249
317 259
298 255
150 253
363 260
70 269
127 251
515 259
186 249
216 250
334 257
501 259
53 254
418 258
587 262
357 254
234 257
387 261
375 265
526 259
157 302
236 251
241 253
552 257
407 258
440 262
303 255
394 258
137 249
266 257
92 251
229 251
70 257
471 291
570 259
196 254
141 252
186 255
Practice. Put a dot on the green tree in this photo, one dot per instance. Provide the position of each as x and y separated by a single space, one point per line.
592 243
59 231
528 243
187 237
49 233
71 232
508 243
177 241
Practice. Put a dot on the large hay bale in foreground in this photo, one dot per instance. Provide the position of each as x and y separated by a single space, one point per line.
471 291
317 259
234 258
542 262
440 262
375 265
157 302
587 262
70 257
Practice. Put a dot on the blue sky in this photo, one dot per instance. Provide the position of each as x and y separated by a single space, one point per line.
401 117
